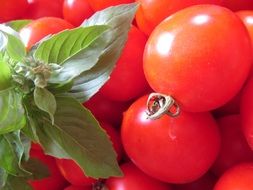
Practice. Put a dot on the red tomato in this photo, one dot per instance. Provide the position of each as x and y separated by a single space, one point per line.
239 177
55 181
72 187
115 138
154 11
127 80
44 8
234 147
174 150
236 5
247 111
206 182
98 5
42 27
12 9
76 11
106 110
194 57
73 173
134 179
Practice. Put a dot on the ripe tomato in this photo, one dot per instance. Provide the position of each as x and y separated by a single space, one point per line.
206 182
134 179
73 173
234 147
42 27
106 110
12 9
98 5
246 109
154 11
5 76
55 181
76 11
237 177
202 68
174 150
72 187
236 5
127 80
44 8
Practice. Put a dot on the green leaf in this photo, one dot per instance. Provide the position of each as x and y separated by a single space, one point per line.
11 154
16 183
45 101
119 18
18 24
3 177
62 46
38 169
76 134
26 142
12 115
14 47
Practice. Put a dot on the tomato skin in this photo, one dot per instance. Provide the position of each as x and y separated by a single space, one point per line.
127 80
236 5
12 9
73 173
198 68
177 150
98 5
55 181
237 177
234 147
76 11
154 11
72 187
44 8
206 182
247 111
106 110
42 27
134 179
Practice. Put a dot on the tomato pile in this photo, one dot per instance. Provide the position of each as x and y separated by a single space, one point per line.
178 107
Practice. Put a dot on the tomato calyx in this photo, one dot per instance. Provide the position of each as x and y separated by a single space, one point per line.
159 104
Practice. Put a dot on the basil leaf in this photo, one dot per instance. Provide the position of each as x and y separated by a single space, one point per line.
14 47
119 19
18 24
12 115
16 183
3 177
11 154
45 101
77 135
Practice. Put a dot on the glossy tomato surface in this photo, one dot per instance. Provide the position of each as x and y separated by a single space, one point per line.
76 11
246 109
73 173
12 9
236 5
98 5
55 180
234 147
174 150
134 179
200 55
42 27
72 187
44 8
154 11
239 177
127 80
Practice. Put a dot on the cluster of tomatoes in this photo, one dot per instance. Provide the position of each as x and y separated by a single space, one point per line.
196 131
